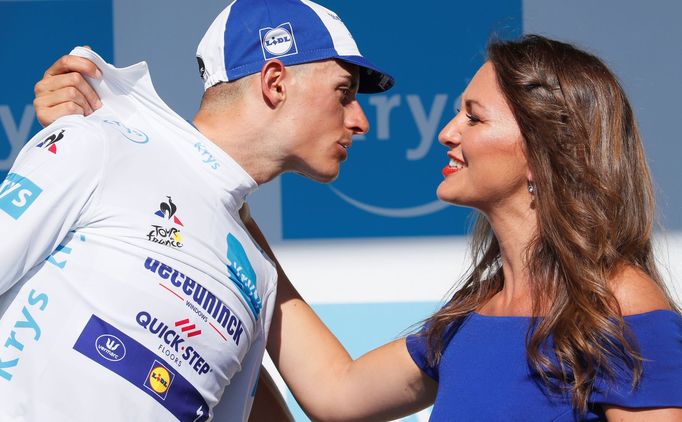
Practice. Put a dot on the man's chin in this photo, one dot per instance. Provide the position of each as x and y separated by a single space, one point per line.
321 177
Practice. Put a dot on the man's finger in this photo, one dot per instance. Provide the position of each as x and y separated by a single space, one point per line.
75 80
48 115
64 95
68 64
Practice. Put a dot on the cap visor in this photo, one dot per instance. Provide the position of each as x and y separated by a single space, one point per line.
372 79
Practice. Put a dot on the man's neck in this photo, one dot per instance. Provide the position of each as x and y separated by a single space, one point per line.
237 137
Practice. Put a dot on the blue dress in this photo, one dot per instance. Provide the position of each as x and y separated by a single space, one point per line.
484 374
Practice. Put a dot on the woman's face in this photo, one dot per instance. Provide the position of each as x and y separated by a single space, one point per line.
487 165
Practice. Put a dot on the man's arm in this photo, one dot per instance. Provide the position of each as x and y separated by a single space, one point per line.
382 384
46 194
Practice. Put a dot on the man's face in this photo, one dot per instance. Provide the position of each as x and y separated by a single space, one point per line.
323 116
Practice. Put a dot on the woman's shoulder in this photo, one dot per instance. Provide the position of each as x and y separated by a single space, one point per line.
637 293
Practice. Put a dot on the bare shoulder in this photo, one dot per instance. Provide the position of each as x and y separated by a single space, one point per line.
636 292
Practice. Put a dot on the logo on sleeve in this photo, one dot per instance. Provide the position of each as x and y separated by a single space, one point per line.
131 134
17 193
242 274
278 42
50 143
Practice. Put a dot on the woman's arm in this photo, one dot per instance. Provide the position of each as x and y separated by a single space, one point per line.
622 414
383 384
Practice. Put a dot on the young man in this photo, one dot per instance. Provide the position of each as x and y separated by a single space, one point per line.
131 289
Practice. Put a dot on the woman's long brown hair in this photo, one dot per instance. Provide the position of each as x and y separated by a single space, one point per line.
594 203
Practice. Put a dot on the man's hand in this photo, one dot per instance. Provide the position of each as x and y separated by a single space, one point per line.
63 90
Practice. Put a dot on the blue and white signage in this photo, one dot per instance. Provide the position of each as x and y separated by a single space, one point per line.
387 186
35 34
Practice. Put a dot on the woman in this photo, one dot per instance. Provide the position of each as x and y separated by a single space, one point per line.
563 315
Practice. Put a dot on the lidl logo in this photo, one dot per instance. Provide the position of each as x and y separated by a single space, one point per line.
159 379
278 42
17 193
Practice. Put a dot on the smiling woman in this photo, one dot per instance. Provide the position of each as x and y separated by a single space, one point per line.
547 150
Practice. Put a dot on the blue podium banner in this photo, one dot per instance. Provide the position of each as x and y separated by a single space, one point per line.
34 34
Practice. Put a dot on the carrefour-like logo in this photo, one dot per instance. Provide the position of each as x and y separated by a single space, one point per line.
17 193
278 42
131 134
242 274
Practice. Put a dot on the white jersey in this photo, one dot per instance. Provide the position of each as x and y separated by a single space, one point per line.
131 291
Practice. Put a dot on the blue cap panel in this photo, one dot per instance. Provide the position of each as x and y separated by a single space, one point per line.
291 32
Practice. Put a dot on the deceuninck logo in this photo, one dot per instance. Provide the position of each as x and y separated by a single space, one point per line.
242 274
17 193
278 42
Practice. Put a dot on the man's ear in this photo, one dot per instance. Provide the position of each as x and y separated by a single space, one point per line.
272 82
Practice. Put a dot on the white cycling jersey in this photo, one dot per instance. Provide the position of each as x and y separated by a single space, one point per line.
131 291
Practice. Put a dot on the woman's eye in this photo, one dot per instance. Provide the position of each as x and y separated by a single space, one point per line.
473 119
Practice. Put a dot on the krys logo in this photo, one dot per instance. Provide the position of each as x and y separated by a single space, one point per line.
50 143
26 330
17 193
242 274
163 234
110 347
278 42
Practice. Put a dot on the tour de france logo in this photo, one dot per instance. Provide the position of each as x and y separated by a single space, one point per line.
168 232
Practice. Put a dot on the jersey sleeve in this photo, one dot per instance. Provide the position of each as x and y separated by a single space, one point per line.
659 337
46 193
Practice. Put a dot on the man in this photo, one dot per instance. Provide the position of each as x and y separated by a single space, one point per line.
132 289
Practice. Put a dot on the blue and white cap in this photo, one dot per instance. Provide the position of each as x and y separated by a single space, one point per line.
250 32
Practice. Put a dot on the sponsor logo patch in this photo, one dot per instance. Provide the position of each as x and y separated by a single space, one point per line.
199 299
110 347
174 345
26 329
143 369
206 156
163 234
278 42
50 143
242 274
131 134
159 379
17 193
